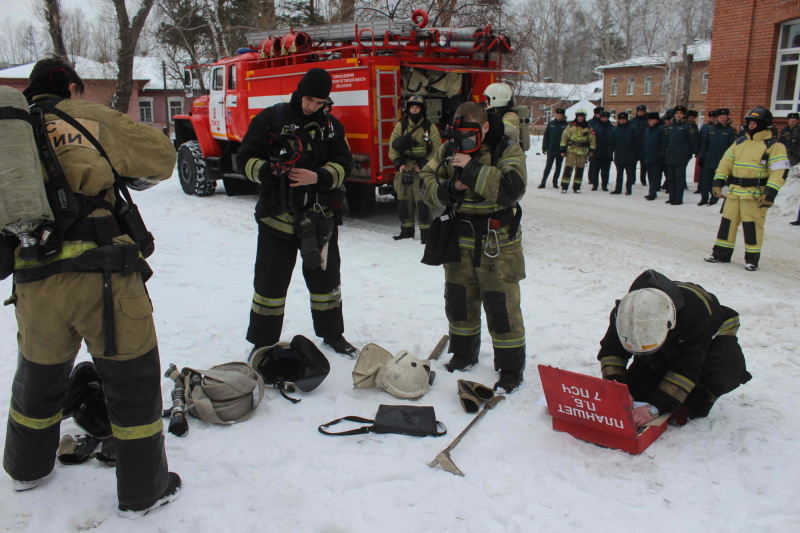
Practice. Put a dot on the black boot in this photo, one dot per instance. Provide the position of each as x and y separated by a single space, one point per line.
341 346
459 362
405 233
509 381
423 236
141 509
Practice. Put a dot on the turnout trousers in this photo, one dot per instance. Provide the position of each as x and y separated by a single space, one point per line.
495 284
411 203
742 210
275 260
54 316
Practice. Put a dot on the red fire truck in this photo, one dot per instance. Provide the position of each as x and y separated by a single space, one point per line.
374 66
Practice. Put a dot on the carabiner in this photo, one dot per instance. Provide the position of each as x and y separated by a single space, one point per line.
489 234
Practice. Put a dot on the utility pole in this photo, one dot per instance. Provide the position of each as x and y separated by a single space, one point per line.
688 59
166 98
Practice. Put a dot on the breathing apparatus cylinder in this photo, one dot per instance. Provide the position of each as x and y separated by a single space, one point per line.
23 199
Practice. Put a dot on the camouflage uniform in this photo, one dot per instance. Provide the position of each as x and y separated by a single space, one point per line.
490 244
58 308
426 139
578 141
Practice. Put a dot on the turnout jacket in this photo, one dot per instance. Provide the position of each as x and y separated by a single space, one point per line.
425 138
511 124
790 137
552 136
753 167
699 318
680 142
578 138
136 151
325 151
714 140
626 144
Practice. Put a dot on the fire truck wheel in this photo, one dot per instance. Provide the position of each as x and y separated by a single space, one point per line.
192 170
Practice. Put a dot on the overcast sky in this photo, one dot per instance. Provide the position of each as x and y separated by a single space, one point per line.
25 9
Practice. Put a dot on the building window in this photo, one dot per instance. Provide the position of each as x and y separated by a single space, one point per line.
175 108
630 86
612 112
548 114
704 83
786 90
648 84
146 110
629 112
613 86
665 84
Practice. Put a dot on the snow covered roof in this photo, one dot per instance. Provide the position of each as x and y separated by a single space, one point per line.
700 50
144 68
563 91
586 105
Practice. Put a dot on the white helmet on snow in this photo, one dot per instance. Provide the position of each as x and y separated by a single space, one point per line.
498 94
403 376
644 317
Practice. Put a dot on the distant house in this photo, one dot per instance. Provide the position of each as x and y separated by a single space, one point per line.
543 98
657 82
756 57
151 103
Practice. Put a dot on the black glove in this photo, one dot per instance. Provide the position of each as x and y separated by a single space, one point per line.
407 178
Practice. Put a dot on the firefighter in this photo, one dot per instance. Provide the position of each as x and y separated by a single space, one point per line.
754 169
480 176
413 141
500 100
684 347
91 291
551 146
299 209
577 145
715 140
680 144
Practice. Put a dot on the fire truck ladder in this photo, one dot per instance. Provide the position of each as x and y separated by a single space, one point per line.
385 101
345 31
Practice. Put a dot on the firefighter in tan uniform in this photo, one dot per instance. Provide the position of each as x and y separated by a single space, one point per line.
577 146
413 141
63 301
480 176
500 100
754 169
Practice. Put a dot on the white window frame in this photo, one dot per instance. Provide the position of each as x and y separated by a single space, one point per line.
648 85
631 85
548 114
149 107
665 85
787 57
704 83
171 100
614 85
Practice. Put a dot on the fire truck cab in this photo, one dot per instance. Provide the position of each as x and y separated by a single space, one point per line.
374 65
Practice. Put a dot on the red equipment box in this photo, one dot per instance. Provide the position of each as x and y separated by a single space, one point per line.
596 410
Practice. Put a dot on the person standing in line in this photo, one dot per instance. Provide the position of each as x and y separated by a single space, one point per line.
714 141
603 154
652 139
577 146
626 145
754 168
790 137
592 122
640 123
551 147
679 146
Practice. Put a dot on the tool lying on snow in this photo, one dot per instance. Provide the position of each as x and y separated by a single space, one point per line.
439 348
178 424
444 459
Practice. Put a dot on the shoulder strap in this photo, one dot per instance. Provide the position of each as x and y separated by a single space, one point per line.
360 431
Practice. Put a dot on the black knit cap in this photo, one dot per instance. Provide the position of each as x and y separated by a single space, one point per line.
316 83
53 75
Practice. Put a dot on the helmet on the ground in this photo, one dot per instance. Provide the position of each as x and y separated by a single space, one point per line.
415 100
85 401
498 94
761 115
644 318
299 363
403 376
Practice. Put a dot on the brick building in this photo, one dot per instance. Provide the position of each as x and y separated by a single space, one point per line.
545 97
657 81
755 57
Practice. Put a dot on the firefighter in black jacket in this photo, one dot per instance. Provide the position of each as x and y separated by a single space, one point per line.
551 147
300 157
683 343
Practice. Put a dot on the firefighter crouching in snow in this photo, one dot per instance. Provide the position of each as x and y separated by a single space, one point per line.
61 302
300 157
480 176
683 343
754 169
413 141
577 145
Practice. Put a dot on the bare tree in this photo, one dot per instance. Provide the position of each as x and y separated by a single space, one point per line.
20 43
129 32
52 13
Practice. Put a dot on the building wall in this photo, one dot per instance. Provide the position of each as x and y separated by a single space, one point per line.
743 53
655 101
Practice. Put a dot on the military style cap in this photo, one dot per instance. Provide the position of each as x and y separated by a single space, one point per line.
723 111
622 114
679 108
793 115
598 109
605 114
712 114
691 113
653 115
641 107
560 111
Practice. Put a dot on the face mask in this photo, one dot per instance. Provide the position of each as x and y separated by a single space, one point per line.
467 136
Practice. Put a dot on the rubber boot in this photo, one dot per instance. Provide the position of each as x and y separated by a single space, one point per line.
405 233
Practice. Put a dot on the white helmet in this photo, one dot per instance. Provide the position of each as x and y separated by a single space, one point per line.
403 376
644 317
498 94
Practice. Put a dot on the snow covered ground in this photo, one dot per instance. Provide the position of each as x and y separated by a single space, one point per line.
736 471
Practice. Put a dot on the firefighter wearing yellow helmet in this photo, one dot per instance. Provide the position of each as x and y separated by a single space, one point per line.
577 146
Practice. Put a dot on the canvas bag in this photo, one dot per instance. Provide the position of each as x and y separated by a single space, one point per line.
414 420
224 394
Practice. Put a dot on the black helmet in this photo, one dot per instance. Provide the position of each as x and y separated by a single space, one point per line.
85 401
415 100
299 363
761 115
284 152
